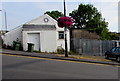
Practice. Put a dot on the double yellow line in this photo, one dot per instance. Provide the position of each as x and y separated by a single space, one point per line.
59 60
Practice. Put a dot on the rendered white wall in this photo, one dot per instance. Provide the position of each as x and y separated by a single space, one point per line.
11 36
40 20
61 42
47 40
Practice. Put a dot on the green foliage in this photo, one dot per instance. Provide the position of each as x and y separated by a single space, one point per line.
84 15
105 35
36 51
73 53
113 36
60 51
87 17
54 14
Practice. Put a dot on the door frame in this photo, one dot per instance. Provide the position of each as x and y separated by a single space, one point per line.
39 39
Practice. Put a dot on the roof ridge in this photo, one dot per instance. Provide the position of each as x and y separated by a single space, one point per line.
30 22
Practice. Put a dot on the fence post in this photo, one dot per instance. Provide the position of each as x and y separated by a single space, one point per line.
100 47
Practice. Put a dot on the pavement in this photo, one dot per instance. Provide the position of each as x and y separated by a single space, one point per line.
55 56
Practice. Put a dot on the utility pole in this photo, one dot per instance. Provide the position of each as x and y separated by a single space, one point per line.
5 19
5 22
65 29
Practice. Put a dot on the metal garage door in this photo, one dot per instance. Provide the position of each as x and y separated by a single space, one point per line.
35 39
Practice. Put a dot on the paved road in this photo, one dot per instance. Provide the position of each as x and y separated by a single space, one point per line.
16 67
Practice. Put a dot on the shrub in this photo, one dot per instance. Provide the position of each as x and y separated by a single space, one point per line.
72 53
9 47
37 51
60 51
4 46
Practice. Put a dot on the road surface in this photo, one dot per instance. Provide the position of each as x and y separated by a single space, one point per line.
24 67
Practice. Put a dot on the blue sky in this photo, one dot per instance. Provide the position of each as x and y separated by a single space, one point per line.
19 13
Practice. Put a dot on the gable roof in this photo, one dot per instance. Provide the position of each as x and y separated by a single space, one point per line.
42 20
